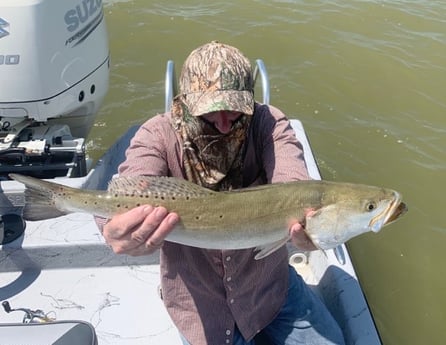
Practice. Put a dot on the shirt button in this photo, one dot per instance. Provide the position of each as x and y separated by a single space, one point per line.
228 332
231 301
227 341
228 279
228 258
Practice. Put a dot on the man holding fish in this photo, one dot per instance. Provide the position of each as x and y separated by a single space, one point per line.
218 137
220 185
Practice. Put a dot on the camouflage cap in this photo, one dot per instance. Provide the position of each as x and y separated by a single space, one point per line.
217 77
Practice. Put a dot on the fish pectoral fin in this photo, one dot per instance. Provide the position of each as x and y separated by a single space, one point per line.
269 248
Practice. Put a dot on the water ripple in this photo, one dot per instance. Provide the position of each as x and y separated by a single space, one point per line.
187 11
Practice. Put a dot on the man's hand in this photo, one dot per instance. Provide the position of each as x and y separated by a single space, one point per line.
140 231
299 238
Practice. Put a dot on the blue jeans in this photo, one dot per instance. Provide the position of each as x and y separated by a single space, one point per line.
303 319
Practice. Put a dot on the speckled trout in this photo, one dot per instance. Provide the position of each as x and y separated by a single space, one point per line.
332 212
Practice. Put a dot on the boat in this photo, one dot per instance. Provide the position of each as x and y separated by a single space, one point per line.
59 281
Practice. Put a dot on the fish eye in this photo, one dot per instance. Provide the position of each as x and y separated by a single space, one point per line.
370 206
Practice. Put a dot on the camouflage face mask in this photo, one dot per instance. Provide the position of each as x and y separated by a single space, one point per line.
210 158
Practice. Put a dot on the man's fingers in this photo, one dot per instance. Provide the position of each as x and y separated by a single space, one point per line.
120 225
140 231
299 238
156 237
151 223
164 228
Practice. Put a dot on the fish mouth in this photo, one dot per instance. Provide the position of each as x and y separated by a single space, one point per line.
399 210
394 211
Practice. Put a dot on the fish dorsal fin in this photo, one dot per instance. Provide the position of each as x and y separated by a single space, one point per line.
156 186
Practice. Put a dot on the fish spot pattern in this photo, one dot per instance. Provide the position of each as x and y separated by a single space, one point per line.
157 187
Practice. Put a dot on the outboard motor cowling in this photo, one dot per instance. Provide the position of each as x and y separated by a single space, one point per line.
54 70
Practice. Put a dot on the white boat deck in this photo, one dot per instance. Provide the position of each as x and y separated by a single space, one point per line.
63 267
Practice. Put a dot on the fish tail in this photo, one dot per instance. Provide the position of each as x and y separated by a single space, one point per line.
39 198
40 205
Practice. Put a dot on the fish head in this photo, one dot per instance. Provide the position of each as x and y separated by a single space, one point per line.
350 210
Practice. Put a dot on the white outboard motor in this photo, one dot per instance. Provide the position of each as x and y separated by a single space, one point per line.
54 68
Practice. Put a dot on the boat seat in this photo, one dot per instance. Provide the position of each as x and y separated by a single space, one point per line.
48 333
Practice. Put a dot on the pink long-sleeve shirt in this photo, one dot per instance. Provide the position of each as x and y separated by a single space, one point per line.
210 292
